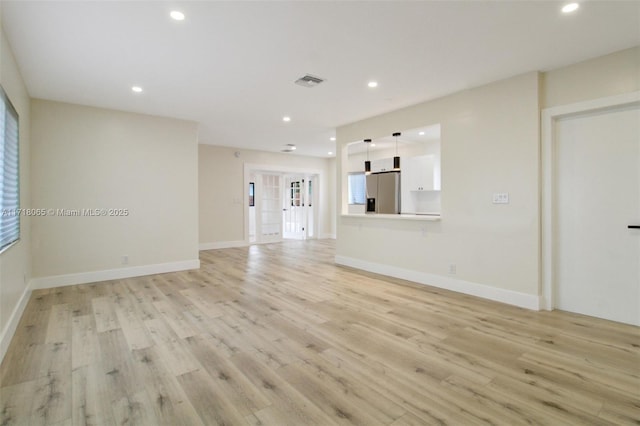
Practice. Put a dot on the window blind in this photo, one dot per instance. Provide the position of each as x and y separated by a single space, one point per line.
357 188
9 176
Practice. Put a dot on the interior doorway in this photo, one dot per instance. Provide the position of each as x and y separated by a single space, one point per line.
281 204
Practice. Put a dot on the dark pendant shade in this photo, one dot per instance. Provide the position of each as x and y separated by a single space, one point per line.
367 164
396 162
396 159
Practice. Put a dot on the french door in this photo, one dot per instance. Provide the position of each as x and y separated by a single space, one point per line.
298 209
269 227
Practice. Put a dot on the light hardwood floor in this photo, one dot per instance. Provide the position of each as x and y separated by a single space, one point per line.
278 335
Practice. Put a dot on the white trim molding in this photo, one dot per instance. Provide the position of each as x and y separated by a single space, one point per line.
112 274
14 320
327 236
222 245
549 118
523 300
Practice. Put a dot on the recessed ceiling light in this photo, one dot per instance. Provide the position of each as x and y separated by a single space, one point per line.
571 7
372 145
372 84
330 153
421 133
332 139
177 15
286 119
136 89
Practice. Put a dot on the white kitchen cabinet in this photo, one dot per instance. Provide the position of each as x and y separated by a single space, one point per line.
420 173
382 165
420 185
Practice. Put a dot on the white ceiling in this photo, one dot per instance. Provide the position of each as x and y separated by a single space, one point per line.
231 65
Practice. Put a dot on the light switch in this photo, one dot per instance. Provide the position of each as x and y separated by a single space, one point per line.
500 198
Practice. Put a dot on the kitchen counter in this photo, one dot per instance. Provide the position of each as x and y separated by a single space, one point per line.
418 217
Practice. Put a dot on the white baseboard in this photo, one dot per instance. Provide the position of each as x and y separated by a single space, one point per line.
327 236
112 274
14 319
523 300
222 244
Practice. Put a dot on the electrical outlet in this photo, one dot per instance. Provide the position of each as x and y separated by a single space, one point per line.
125 259
500 198
452 268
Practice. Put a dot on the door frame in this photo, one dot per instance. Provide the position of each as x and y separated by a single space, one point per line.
548 158
269 168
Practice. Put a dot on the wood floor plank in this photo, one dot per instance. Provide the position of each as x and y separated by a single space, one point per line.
104 314
116 366
26 350
170 349
59 326
228 379
165 395
281 394
212 405
16 403
175 319
250 339
340 406
200 302
135 409
51 400
349 386
408 419
503 405
91 403
620 413
424 404
610 378
84 341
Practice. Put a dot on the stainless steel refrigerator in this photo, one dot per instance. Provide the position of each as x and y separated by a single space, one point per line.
383 192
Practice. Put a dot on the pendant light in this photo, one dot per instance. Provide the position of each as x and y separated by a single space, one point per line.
396 159
367 164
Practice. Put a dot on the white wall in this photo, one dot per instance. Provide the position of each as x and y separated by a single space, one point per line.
84 157
15 263
608 75
223 195
489 143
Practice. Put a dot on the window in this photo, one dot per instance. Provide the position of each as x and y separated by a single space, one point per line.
356 188
252 189
295 194
9 186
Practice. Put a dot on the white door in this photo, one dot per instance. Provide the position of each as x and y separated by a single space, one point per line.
597 198
269 226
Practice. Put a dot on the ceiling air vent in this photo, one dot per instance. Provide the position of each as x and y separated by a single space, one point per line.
309 81
290 147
